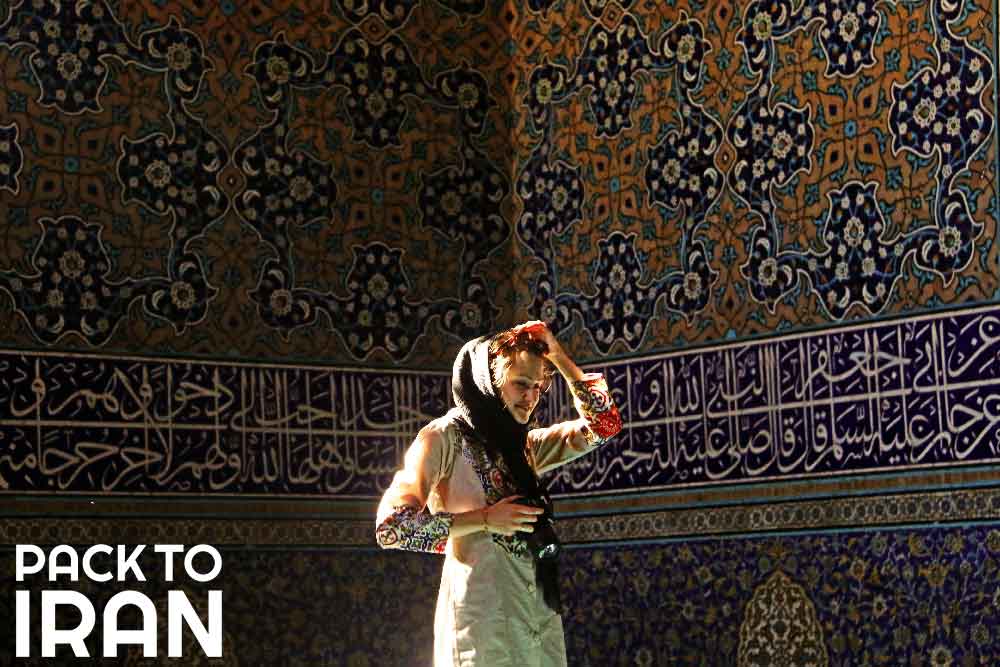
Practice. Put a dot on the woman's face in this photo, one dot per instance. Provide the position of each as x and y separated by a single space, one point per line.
524 384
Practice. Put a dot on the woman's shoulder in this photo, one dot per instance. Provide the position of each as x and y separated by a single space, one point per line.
439 430
438 441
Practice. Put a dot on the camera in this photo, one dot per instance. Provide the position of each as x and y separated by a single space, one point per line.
543 542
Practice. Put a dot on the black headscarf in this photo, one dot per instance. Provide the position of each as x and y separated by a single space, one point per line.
483 412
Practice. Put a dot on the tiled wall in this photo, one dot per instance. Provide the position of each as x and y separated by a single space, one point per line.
771 225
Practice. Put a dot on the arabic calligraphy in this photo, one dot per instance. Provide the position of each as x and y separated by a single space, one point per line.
106 425
915 393
909 394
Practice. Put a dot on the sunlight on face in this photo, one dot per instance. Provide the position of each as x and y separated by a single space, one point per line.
523 386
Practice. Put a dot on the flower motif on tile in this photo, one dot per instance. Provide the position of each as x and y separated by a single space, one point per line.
277 67
607 67
463 202
551 193
681 174
689 289
69 291
465 90
11 158
770 273
378 77
279 304
773 142
681 171
847 35
948 247
468 316
622 307
180 54
764 21
549 84
780 627
69 43
857 263
283 187
940 112
182 296
176 174
937 112
378 312
554 309
685 47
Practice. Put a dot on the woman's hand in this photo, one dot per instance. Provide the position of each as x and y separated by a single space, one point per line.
556 355
540 331
507 517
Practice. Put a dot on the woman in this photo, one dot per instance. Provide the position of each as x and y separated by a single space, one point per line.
462 492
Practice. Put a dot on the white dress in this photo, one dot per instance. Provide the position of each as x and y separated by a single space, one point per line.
489 611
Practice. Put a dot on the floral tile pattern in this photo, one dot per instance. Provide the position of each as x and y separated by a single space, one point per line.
643 177
754 168
250 185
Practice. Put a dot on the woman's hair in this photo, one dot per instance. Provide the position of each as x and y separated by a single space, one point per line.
504 348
